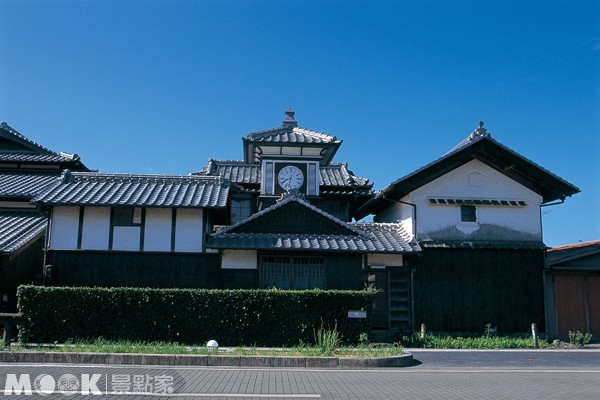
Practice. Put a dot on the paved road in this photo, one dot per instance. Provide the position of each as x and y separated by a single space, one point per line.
439 375
578 359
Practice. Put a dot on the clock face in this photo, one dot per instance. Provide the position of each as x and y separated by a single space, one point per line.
290 177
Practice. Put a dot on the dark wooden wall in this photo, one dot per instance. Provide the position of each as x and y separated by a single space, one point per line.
156 270
26 267
163 270
344 272
461 290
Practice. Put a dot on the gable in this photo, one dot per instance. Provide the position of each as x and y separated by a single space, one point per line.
476 180
13 141
487 151
293 218
11 145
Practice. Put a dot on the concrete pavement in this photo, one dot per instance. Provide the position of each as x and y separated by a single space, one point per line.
440 375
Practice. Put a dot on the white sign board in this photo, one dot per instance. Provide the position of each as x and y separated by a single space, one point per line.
357 314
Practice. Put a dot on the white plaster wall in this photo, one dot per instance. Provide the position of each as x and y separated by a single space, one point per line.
493 185
189 230
64 228
388 260
239 259
96 228
157 231
398 212
487 184
126 238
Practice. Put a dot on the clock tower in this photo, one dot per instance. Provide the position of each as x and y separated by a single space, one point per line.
295 160
290 157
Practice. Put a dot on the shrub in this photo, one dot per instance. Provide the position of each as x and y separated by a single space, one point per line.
579 339
191 316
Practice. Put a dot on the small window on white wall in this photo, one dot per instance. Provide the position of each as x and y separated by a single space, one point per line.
468 213
127 216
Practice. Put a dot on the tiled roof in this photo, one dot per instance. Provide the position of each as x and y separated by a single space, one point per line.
34 158
361 237
136 190
333 175
389 236
234 171
340 175
484 244
379 238
356 244
25 184
17 228
291 134
482 147
28 151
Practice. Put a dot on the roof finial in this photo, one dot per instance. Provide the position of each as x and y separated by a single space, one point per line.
66 176
480 132
289 120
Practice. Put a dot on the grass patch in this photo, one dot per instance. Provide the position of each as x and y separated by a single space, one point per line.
484 342
124 346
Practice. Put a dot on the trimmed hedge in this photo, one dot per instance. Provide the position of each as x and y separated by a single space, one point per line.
190 316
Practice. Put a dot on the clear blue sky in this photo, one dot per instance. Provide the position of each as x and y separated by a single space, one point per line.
162 86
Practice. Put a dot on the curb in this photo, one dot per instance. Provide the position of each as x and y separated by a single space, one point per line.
405 360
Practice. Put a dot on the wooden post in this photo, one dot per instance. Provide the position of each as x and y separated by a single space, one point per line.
8 327
535 335
423 331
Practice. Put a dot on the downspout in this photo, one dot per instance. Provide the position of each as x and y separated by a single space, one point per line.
414 206
548 284
46 242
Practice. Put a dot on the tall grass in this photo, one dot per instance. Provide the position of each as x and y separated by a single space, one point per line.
327 340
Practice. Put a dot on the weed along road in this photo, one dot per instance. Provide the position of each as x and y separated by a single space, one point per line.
547 374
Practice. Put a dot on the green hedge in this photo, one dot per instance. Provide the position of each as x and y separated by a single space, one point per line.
191 316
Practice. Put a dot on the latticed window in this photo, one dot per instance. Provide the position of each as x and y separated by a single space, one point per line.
292 272
240 210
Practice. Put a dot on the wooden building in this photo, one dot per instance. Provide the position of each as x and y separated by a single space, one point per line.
572 279
132 230
26 169
476 213
279 218
456 244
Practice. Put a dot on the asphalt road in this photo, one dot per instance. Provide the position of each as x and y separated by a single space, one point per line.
545 374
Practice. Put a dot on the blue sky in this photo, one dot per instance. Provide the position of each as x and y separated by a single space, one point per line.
162 86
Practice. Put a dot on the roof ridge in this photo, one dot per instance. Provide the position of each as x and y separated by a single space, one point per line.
127 176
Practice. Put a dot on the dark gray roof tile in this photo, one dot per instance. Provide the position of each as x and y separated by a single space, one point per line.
289 134
137 190
25 184
336 176
17 228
